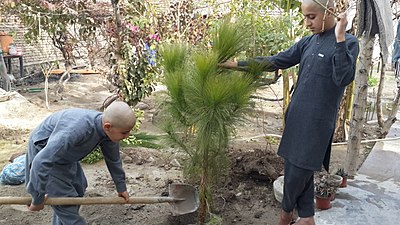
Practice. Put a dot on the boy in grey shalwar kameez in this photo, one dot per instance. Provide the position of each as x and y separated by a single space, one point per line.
327 64
58 144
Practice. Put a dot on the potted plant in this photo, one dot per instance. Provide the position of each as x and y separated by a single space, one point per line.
5 40
341 172
323 195
326 186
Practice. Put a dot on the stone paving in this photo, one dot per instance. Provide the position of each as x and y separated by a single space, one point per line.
373 196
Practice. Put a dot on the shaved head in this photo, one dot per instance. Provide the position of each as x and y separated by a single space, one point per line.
119 115
327 3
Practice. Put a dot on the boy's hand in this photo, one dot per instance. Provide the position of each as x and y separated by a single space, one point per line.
124 195
340 29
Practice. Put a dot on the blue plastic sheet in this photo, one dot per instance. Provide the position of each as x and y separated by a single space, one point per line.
14 173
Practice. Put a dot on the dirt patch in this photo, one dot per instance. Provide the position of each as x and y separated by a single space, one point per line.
245 196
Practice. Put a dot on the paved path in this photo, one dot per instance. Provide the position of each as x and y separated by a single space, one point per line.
373 197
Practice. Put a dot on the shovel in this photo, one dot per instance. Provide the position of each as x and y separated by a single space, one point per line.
182 197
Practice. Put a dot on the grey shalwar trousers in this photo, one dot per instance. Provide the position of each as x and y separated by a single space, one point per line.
298 190
67 180
68 214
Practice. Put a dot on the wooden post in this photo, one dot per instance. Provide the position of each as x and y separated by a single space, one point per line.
286 93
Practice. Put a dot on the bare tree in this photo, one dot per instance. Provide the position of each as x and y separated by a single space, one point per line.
385 125
372 20
360 103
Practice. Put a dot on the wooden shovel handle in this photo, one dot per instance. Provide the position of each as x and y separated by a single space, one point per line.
89 200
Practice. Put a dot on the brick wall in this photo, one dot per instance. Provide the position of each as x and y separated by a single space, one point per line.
34 54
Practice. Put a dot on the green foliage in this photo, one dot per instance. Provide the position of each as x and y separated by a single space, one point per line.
136 76
205 104
184 23
139 114
228 40
129 141
174 57
215 220
372 81
273 25
135 43
341 172
272 140
142 140
93 157
53 19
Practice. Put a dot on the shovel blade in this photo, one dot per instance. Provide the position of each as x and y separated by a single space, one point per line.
188 194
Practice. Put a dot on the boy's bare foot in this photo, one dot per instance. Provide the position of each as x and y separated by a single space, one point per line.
305 221
285 218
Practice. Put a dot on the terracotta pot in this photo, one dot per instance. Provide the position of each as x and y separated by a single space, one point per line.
344 182
332 197
322 203
5 41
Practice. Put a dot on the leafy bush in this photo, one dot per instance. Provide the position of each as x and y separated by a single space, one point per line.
93 157
142 140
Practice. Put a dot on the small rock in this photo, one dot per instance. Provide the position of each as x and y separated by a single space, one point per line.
142 106
150 159
175 163
258 214
131 192
136 207
167 167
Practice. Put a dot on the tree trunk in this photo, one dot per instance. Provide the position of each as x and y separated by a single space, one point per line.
392 116
385 125
344 115
203 208
204 184
379 111
341 130
359 106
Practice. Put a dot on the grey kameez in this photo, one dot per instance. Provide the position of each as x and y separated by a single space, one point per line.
52 164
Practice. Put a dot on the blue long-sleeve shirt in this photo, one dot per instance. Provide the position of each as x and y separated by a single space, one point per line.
58 144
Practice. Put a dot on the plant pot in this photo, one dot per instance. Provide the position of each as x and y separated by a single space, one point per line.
332 197
5 41
344 182
334 180
322 202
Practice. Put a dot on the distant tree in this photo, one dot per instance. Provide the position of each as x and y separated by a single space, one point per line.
65 22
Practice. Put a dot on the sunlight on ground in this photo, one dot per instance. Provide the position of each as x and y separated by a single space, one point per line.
7 149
